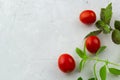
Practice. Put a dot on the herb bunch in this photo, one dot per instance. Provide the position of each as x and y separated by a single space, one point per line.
103 25
103 70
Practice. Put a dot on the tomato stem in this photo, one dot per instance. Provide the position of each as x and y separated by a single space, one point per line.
95 71
84 50
105 61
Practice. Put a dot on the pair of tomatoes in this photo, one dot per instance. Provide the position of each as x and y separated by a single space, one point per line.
92 42
66 62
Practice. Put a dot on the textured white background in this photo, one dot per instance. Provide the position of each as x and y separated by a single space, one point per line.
33 33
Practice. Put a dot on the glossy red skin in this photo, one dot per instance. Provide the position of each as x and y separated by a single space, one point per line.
66 63
87 17
92 44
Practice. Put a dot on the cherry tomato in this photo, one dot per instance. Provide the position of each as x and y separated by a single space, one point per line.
87 17
92 44
66 63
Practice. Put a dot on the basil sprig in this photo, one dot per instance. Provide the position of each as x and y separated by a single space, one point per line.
103 25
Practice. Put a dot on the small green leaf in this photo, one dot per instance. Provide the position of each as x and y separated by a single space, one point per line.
81 65
80 52
92 79
116 36
94 33
106 14
103 72
103 26
101 49
80 78
117 24
114 71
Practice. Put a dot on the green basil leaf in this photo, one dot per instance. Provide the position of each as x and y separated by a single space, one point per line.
80 52
81 65
102 14
101 49
103 73
114 71
102 26
80 78
106 14
117 25
94 33
92 79
116 36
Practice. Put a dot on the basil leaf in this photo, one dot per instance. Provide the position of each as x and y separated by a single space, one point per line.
106 14
80 52
114 71
80 78
102 26
94 33
101 49
103 72
117 25
116 36
82 62
92 79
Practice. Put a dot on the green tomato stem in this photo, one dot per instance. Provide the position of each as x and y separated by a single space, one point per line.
114 64
105 61
95 71
84 50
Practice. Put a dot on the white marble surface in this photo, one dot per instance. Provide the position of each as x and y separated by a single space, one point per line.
33 33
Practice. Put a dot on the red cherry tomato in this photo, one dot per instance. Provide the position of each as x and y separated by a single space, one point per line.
87 17
92 44
66 63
